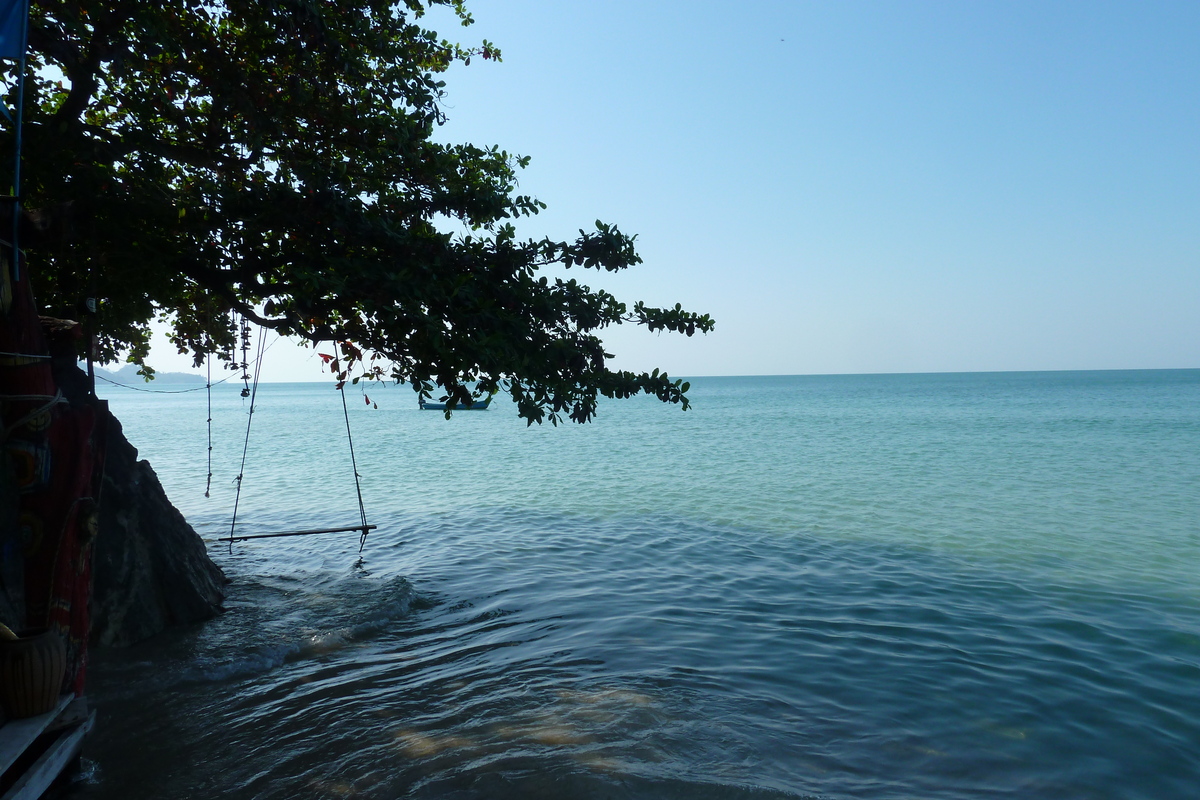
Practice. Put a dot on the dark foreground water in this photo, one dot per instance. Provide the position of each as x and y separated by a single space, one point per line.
931 586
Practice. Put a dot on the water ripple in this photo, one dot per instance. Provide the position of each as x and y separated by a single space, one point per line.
943 587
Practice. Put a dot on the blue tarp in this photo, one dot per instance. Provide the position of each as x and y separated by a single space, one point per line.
12 28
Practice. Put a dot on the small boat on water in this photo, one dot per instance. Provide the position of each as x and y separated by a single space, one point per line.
478 405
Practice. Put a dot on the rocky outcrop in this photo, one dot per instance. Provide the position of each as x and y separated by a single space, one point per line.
150 569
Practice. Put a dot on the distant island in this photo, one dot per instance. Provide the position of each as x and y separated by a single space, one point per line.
128 374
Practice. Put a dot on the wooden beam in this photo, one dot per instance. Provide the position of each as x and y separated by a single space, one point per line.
363 528
18 734
50 765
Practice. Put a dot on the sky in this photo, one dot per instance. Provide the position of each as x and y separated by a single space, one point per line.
858 187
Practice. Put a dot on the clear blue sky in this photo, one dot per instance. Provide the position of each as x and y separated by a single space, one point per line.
862 186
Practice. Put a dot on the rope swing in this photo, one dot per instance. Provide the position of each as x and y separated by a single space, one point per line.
251 391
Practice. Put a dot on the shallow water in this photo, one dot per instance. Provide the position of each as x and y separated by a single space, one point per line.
937 586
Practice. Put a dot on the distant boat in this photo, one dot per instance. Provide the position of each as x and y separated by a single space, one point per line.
478 405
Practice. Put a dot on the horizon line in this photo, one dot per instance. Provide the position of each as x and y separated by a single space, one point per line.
389 382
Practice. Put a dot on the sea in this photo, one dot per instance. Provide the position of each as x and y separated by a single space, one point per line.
941 586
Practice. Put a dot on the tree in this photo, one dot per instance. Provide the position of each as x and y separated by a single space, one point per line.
275 159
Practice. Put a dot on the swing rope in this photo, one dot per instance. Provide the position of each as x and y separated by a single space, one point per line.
246 444
362 509
364 527
208 387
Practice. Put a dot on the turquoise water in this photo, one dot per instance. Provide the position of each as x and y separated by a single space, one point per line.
893 586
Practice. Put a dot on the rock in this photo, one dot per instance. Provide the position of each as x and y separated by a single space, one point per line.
150 568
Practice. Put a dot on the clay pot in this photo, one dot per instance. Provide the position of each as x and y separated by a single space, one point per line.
31 673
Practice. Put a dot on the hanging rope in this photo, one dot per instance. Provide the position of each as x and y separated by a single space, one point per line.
245 348
362 509
26 355
252 390
208 386
52 401
161 391
245 392
249 419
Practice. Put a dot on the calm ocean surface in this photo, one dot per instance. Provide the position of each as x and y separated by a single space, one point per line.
892 586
